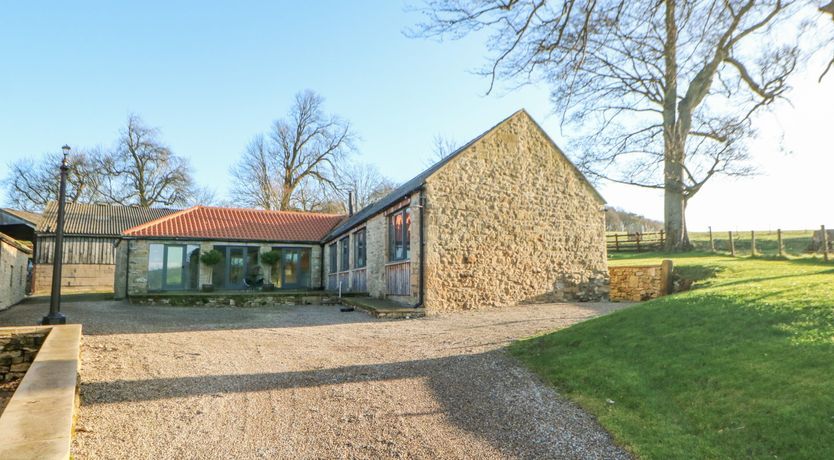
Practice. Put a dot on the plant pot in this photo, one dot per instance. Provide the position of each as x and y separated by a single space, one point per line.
207 288
268 287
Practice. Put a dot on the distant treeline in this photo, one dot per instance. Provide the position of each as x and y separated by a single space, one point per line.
617 220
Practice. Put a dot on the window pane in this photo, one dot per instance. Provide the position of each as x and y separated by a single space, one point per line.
253 268
236 264
218 272
397 245
359 250
407 234
333 267
173 267
345 246
193 262
155 267
305 268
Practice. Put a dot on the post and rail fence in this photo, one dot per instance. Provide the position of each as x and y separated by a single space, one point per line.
635 242
754 243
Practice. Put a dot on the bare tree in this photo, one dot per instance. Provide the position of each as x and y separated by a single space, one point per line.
31 184
256 176
366 182
661 92
297 162
142 171
443 147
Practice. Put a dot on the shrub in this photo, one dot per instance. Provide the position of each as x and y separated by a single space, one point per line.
270 258
211 258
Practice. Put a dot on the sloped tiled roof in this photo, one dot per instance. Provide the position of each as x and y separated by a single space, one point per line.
405 189
237 224
27 216
98 219
19 245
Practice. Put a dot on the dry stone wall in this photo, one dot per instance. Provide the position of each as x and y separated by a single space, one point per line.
511 221
17 351
639 283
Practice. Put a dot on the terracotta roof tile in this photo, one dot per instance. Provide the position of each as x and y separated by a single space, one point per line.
238 224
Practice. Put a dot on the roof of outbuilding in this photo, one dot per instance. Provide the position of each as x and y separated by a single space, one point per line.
30 217
19 245
405 189
238 224
98 219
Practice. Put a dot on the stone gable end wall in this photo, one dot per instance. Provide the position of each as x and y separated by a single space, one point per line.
13 267
510 221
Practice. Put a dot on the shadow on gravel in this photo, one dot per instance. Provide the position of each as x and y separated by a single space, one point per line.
486 394
117 317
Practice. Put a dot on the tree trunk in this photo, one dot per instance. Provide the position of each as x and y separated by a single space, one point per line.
674 215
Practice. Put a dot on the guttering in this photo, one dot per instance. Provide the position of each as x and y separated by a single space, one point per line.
422 288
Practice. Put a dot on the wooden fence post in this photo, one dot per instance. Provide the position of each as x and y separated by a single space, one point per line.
711 241
617 242
824 243
752 243
732 245
779 242
666 268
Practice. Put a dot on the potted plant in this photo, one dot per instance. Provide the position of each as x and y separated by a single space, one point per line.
270 259
210 259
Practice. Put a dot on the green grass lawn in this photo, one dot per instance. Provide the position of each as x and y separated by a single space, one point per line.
740 367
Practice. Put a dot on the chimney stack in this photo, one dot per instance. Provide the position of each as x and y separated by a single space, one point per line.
350 203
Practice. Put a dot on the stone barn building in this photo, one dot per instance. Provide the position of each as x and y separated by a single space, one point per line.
506 219
14 268
91 232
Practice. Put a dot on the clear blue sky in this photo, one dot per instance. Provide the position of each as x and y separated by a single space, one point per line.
212 76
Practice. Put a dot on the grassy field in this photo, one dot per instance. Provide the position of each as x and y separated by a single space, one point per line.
740 367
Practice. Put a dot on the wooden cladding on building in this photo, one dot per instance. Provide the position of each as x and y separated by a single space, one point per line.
78 250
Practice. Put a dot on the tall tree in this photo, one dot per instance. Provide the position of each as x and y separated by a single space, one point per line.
30 184
297 162
663 92
366 182
255 177
141 170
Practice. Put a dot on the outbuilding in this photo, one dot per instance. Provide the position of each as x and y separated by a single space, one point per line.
506 219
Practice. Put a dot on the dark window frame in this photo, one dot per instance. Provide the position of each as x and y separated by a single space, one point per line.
344 250
333 254
405 233
360 250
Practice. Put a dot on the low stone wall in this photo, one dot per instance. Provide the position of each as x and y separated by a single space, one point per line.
638 283
17 351
39 420
233 300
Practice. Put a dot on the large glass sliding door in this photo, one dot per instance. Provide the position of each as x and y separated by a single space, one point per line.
238 264
173 267
293 269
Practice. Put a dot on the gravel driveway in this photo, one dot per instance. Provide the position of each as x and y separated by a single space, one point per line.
312 382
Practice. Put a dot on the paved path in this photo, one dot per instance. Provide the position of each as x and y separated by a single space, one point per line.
311 382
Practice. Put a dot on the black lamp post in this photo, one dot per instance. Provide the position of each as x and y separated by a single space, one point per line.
55 316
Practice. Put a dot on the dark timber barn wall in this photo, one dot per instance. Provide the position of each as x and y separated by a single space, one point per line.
91 232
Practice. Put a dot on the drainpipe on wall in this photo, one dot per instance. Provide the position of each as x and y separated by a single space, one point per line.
422 288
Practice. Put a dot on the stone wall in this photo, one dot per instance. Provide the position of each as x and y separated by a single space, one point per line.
639 283
376 229
74 278
137 261
13 271
17 351
511 221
